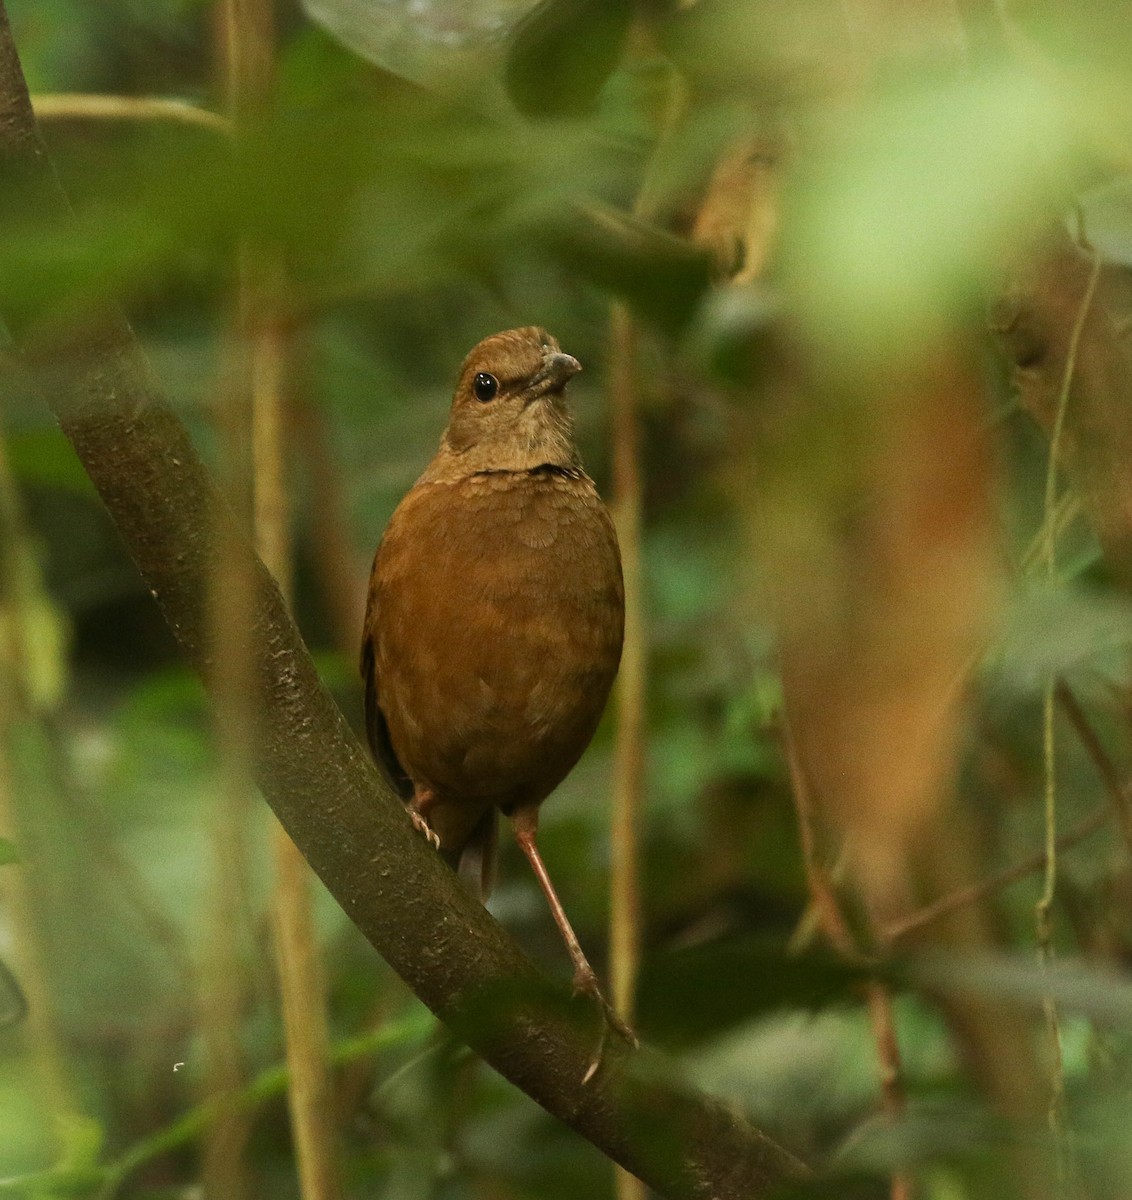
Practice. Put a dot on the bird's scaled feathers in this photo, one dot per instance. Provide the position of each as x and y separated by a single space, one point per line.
496 609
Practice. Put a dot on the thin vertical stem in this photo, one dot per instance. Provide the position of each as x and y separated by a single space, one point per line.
628 494
1043 907
249 61
225 983
225 978
1043 920
1043 917
628 768
298 962
629 748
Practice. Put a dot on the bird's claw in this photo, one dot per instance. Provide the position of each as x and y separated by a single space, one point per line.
586 982
423 827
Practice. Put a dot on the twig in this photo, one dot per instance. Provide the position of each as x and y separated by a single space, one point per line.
1106 769
1056 1115
1066 511
840 936
70 106
823 897
1049 505
896 931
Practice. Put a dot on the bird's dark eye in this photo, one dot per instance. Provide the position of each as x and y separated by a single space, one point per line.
485 386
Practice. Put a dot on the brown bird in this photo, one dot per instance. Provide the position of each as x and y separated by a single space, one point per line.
495 617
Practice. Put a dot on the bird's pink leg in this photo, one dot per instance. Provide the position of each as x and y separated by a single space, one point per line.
525 823
423 799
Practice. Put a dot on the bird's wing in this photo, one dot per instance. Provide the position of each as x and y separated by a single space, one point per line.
377 730
474 860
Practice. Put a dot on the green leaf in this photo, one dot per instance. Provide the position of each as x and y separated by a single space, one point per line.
44 456
8 852
13 1002
1100 993
1106 218
81 1138
895 229
445 44
561 55
734 334
692 994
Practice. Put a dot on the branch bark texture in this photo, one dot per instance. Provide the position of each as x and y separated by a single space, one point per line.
316 776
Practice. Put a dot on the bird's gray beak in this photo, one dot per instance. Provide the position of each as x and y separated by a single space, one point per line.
557 371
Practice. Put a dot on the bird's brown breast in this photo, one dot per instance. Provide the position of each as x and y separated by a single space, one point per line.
495 624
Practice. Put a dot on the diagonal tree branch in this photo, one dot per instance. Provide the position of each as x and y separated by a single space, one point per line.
314 773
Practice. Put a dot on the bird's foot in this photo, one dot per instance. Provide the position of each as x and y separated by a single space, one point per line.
586 981
422 826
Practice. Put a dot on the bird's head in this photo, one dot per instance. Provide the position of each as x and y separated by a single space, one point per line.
509 411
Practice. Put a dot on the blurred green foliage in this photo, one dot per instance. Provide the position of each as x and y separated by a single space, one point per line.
412 223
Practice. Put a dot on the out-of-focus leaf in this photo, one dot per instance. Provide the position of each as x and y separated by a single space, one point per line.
1091 36
37 630
53 37
660 276
820 1067
44 456
81 1138
29 1138
1050 631
429 41
563 52
894 227
834 1185
1102 994
922 1134
691 994
1106 219
8 852
733 332
13 1003
736 45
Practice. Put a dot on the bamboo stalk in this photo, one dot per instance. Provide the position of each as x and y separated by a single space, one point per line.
298 961
249 62
225 984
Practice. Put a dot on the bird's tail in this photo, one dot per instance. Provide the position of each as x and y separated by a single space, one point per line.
474 862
